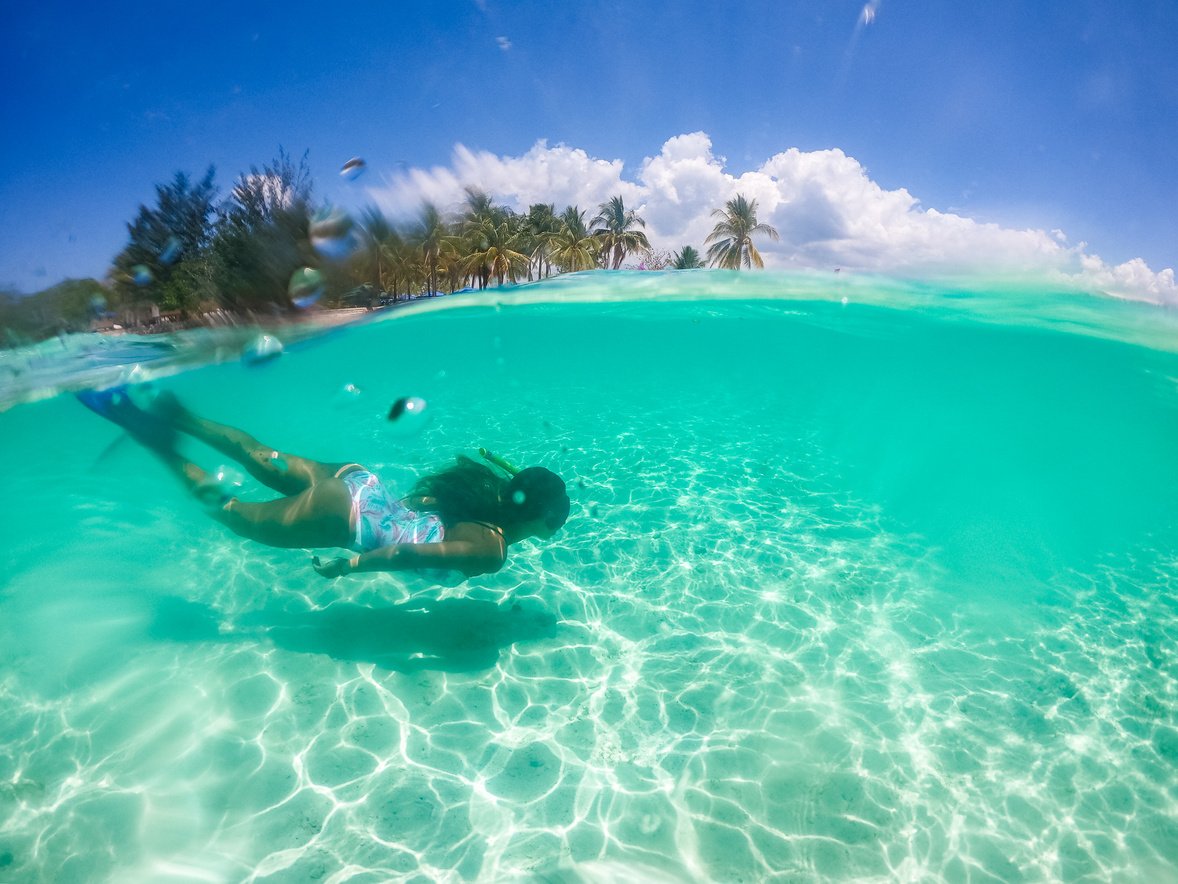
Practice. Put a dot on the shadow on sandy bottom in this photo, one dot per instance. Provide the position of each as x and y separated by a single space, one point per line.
451 635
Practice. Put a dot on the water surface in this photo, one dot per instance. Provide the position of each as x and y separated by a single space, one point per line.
882 589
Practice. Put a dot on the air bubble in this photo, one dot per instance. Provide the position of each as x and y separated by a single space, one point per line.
518 498
261 349
409 414
306 287
353 169
333 234
141 274
348 394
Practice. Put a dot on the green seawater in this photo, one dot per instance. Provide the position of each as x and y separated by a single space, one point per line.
865 579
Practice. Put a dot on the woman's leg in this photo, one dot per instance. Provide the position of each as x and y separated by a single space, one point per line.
319 516
284 472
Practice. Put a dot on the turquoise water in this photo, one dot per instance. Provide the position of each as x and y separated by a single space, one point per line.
875 590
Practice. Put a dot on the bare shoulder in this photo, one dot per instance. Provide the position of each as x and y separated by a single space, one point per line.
485 541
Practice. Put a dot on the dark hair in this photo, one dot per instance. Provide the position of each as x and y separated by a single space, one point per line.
537 493
472 492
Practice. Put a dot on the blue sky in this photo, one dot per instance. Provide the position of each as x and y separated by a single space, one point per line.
1049 116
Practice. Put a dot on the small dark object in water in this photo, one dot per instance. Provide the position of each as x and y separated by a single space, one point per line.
408 415
398 408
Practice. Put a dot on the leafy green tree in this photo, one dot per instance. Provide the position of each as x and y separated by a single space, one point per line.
686 258
574 247
16 323
732 237
171 241
616 227
67 306
263 234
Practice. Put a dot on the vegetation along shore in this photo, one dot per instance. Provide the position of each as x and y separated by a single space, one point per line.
269 250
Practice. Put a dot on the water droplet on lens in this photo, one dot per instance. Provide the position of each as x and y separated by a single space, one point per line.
409 414
353 169
220 485
141 390
333 234
171 251
229 476
135 374
141 274
305 287
261 349
97 305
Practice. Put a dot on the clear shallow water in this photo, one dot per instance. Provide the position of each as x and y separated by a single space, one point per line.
847 592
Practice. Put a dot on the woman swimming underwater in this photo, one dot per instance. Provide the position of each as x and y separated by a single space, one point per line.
462 518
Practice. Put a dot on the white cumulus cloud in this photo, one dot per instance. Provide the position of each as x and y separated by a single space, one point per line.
828 210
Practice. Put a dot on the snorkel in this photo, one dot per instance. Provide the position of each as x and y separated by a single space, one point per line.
498 461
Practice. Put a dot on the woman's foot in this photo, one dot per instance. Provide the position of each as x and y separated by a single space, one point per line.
117 407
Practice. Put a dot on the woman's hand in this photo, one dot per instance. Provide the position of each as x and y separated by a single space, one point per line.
333 567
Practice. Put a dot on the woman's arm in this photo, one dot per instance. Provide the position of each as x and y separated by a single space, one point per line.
469 557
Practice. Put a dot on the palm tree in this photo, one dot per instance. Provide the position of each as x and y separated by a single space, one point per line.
429 237
480 206
384 251
480 234
732 237
615 227
495 253
574 247
542 227
686 258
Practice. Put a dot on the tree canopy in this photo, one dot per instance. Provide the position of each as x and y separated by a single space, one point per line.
190 252
732 238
